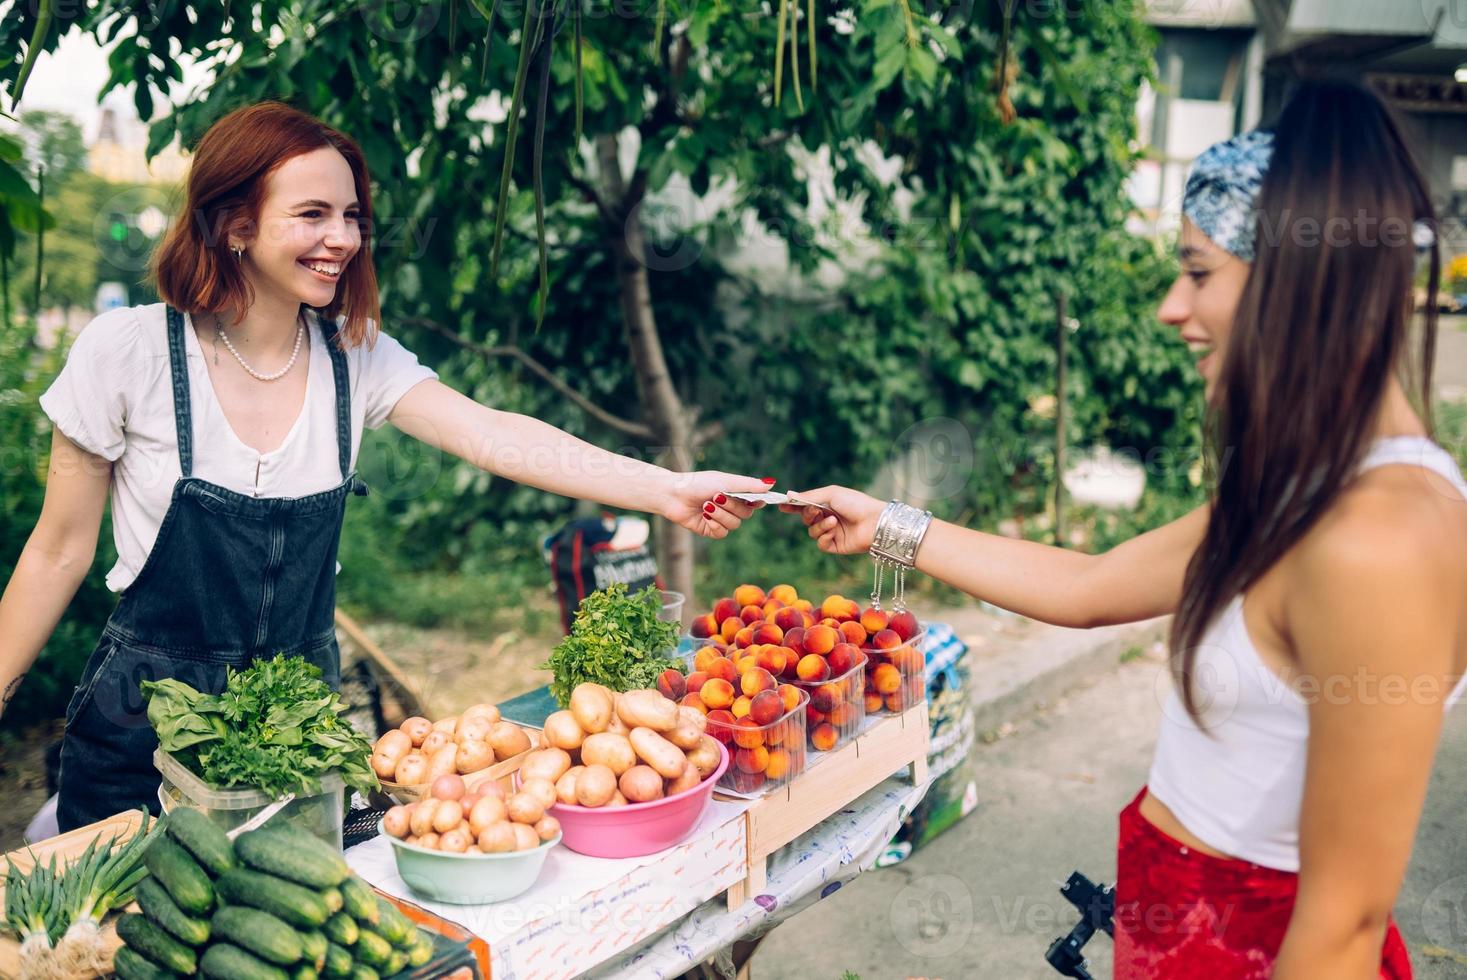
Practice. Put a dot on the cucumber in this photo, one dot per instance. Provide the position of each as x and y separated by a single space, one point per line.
341 929
160 908
186 882
202 838
293 856
338 962
128 965
393 925
360 901
225 962
361 971
156 945
334 901
372 949
285 900
260 933
395 963
421 951
313 946
305 972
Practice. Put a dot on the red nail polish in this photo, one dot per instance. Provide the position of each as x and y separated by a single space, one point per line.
767 479
707 508
720 499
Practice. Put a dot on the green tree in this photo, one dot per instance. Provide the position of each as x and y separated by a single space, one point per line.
53 142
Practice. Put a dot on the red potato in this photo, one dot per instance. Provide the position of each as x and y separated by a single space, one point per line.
395 822
411 770
449 787
394 744
474 755
448 815
416 729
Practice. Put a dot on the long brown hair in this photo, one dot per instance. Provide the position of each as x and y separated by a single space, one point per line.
193 269
1323 321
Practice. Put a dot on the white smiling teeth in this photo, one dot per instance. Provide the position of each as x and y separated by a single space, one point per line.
325 268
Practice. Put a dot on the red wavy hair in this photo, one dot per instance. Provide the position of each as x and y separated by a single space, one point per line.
193 269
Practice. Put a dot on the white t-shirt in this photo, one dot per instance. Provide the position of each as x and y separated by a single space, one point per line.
114 398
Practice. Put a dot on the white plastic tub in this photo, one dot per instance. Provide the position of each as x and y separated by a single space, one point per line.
320 815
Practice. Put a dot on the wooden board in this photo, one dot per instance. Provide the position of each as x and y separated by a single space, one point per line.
892 744
67 847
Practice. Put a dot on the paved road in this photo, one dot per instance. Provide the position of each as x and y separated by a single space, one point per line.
980 902
1451 358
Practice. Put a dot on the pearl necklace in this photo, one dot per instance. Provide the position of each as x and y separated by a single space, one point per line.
300 332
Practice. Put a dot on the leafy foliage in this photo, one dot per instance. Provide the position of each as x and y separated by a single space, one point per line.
616 640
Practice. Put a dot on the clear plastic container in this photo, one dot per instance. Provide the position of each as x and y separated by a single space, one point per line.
896 677
320 815
837 707
763 757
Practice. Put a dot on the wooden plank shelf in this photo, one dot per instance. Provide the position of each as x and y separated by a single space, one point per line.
831 782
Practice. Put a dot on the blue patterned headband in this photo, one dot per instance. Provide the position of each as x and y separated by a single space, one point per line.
1222 193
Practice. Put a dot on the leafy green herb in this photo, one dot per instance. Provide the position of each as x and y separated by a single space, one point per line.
616 640
276 727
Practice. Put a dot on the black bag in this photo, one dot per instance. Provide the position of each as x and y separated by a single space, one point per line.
582 560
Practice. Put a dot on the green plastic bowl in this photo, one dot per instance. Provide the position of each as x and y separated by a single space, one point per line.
467 879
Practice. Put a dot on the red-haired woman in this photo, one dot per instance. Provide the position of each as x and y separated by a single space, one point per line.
224 423
1320 596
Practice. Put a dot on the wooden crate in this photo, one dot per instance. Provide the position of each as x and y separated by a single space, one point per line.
67 847
893 743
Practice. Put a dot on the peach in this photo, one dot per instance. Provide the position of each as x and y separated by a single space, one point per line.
696 680
843 659
746 782
771 658
704 657
725 608
886 679
874 620
671 684
825 697
823 737
904 624
752 760
812 667
771 607
843 716
873 702
830 621
813 717
740 706
746 733
790 696
907 659
785 594
744 637
791 661
703 627
821 640
895 703
795 639
721 725
755 680
749 595
788 619
722 668
779 764
853 632
765 707
694 701
886 640
718 693
768 633
729 628
751 615
803 605
839 607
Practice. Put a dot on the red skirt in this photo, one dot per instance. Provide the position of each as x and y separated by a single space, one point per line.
1185 915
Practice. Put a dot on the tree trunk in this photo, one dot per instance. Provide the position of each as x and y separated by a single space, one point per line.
662 407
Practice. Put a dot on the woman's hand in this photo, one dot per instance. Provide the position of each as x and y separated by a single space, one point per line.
845 521
698 501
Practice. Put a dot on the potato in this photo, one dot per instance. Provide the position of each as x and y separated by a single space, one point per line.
548 764
474 755
435 741
591 705
691 724
385 766
616 726
429 840
609 750
448 815
416 729
706 756
497 838
525 838
447 725
443 762
421 820
508 739
411 770
450 787
395 822
525 808
640 784
473 730
617 799
658 752
456 841
563 731
394 744
489 810
691 777
595 785
565 786
547 828
488 712
647 709
542 790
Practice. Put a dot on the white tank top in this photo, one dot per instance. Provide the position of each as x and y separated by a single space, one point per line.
1238 782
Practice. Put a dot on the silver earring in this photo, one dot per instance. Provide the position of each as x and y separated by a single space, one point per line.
238 252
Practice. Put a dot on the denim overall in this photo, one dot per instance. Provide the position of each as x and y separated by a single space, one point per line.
230 578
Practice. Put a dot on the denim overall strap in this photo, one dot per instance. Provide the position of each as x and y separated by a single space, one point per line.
182 416
331 334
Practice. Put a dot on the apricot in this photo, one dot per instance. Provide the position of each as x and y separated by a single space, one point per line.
768 633
749 595
721 725
789 695
874 620
795 640
853 632
744 637
895 703
886 640
771 658
843 659
904 624
803 605
785 594
830 621
696 680
812 667
873 702
671 684
723 609
751 615
825 697
765 707
694 701
752 760
788 618
791 661
844 717
821 640
756 679
703 627
824 737
813 717
746 733
719 693
779 764
722 668
886 679
740 707
839 607
771 607
908 659
745 782
729 628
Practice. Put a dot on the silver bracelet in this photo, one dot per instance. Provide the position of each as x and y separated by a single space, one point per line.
899 533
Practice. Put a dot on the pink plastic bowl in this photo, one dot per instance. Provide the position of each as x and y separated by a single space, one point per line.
638 828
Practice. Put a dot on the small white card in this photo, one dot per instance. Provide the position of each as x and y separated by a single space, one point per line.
771 497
